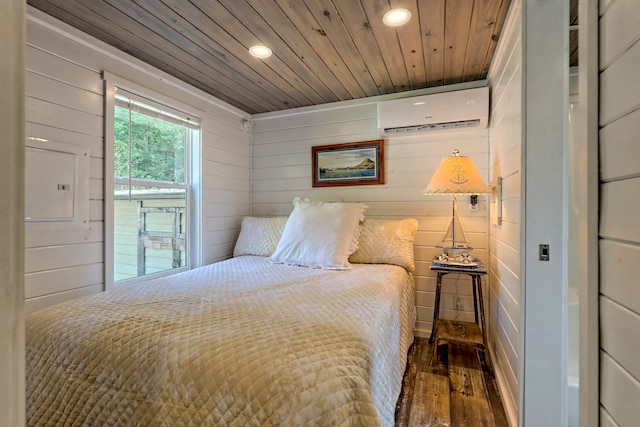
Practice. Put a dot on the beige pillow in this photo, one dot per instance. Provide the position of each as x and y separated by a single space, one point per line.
386 241
320 234
259 236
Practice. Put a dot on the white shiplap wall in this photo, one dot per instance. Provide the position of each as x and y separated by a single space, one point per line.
12 328
65 104
505 147
619 229
282 170
226 185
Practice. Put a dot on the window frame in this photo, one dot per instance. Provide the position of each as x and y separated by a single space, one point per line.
193 177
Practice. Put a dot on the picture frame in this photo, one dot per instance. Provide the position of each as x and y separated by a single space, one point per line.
355 163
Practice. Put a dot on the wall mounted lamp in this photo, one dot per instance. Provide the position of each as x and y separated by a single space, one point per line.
496 202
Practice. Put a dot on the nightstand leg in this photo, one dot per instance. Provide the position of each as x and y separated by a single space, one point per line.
487 358
436 306
474 284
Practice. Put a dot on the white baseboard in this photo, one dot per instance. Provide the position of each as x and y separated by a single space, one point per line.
510 411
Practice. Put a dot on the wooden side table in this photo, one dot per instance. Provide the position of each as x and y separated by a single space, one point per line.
466 333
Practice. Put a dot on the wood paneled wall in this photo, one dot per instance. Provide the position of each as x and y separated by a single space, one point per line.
64 103
282 170
619 229
505 147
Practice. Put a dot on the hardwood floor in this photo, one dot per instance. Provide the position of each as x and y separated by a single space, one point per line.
457 391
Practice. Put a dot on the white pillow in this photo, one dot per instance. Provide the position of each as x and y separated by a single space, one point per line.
386 241
320 234
259 236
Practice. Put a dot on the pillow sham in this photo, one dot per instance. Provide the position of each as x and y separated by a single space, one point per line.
386 241
320 234
259 236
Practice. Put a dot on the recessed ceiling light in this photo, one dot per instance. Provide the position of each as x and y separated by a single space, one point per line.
260 51
396 17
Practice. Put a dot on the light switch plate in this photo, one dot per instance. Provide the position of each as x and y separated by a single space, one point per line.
544 252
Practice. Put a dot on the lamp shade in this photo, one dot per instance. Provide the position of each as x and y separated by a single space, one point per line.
456 175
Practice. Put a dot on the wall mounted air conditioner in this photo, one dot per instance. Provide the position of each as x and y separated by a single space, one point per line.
461 109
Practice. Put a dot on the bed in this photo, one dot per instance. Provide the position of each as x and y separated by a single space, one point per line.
252 340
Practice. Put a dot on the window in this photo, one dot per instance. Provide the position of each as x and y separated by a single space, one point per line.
152 197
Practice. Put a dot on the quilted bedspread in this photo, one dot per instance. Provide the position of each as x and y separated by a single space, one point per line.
241 342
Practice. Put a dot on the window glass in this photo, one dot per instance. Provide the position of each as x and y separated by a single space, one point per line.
151 188
157 147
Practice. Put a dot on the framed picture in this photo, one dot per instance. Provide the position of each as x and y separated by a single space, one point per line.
356 163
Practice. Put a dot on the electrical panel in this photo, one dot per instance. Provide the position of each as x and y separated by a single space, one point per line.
56 186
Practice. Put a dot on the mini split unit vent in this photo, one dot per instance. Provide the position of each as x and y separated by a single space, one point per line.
462 109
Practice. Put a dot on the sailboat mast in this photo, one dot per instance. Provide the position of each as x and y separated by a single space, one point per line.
453 223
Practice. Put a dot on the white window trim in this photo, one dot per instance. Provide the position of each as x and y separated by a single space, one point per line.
194 194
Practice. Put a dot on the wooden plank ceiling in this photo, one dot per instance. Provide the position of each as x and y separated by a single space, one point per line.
323 50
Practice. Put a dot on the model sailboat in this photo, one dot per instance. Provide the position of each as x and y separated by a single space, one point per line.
454 237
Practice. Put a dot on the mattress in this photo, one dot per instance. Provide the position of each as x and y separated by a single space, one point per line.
242 342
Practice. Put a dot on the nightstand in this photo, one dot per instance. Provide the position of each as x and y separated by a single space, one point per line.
466 333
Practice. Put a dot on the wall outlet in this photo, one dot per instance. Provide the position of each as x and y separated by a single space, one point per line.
457 303
473 202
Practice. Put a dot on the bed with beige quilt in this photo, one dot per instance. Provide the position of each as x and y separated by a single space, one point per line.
250 341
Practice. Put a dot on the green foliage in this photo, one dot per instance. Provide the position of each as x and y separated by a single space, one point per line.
157 147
